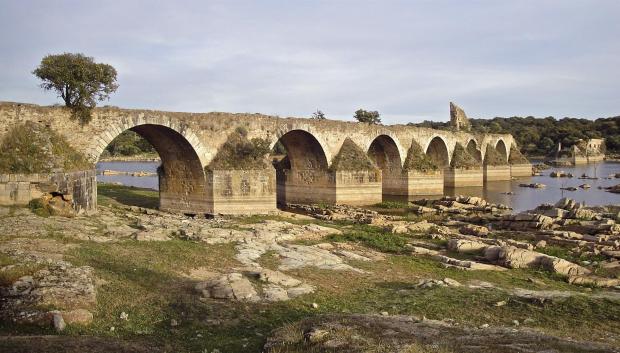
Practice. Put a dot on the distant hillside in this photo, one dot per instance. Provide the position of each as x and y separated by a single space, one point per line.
539 136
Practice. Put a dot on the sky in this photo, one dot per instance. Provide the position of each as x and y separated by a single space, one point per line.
405 59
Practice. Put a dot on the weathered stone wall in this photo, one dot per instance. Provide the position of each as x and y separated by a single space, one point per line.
427 183
20 189
521 170
457 177
496 172
242 191
358 187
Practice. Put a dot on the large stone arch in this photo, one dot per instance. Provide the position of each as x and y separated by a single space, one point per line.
307 129
182 181
302 176
384 152
473 149
102 140
437 149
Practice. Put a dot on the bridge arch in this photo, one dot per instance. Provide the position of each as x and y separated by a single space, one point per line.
437 150
474 150
502 149
384 151
182 180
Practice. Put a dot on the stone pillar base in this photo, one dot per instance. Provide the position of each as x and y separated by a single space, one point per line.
496 173
241 191
521 170
424 183
339 187
458 177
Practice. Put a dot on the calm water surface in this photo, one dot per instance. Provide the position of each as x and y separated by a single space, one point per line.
523 198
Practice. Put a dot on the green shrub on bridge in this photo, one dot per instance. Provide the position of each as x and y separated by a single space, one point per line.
418 160
493 158
352 157
241 153
35 148
516 157
463 159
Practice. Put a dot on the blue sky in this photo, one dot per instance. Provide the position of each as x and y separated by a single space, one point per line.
406 59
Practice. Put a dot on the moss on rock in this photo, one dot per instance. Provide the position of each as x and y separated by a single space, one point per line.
241 153
35 148
463 159
493 158
352 157
418 160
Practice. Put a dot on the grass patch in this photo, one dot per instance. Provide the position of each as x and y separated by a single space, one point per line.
14 272
115 195
372 237
391 204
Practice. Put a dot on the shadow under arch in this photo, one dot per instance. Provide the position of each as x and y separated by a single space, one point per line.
472 148
437 150
383 151
500 146
302 175
182 182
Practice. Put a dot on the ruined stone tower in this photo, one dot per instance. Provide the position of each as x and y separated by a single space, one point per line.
458 119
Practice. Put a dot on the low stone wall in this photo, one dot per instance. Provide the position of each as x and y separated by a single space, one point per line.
424 183
358 187
20 189
521 170
457 177
242 191
496 173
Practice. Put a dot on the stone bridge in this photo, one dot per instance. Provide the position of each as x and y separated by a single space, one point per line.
188 142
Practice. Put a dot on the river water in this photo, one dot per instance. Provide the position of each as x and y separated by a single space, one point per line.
496 192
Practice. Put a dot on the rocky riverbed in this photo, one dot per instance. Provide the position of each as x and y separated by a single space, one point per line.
316 277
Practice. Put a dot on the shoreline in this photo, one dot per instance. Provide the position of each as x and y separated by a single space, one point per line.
136 158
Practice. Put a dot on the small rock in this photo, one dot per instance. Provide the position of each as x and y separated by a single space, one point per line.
484 326
59 322
501 303
385 313
315 305
174 323
112 328
124 316
315 335
515 322
451 282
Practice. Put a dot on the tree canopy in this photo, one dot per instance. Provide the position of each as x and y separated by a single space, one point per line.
539 136
78 80
365 116
318 115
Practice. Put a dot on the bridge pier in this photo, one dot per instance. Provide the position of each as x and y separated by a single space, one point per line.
463 177
496 173
423 183
332 187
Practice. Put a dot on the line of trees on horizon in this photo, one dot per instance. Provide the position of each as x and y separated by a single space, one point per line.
540 136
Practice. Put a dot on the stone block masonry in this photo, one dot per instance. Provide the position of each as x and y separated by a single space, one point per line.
20 189
459 177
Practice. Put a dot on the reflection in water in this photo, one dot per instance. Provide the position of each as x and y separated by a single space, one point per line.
496 192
